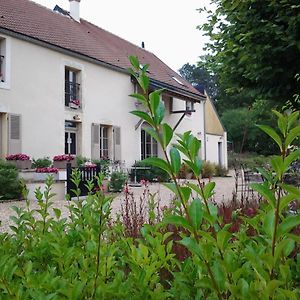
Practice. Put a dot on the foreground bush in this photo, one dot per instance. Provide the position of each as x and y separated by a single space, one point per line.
10 187
191 253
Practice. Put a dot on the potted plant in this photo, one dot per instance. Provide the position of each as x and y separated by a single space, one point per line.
43 173
74 103
60 161
21 161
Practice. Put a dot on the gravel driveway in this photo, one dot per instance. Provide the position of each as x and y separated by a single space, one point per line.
223 193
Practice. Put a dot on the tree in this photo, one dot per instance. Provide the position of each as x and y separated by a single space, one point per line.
255 49
199 75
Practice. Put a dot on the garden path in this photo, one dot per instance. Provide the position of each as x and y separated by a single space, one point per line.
223 193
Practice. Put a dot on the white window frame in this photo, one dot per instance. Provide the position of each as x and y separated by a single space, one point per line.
104 150
153 145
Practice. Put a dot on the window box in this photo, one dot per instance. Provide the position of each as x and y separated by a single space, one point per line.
60 161
21 164
43 176
73 105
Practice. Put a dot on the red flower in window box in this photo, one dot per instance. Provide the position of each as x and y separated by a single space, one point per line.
47 170
18 156
75 102
64 157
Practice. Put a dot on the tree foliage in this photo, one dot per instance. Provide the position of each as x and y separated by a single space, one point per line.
254 48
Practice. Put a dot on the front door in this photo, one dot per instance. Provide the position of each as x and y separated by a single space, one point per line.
70 138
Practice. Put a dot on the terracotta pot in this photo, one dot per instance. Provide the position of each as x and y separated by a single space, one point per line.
63 164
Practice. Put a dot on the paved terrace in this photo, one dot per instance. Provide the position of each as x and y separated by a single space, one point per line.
223 194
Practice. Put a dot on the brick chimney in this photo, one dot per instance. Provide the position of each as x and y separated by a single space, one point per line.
75 9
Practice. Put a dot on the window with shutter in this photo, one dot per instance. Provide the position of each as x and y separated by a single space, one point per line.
14 134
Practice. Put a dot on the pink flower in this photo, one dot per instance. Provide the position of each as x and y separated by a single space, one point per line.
64 157
18 156
47 170
75 101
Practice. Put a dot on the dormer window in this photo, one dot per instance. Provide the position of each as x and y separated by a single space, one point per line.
72 88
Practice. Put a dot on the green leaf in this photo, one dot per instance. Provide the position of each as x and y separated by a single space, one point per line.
196 213
292 118
292 189
134 62
143 115
285 200
194 147
152 132
223 236
272 133
185 192
144 82
159 113
154 99
284 247
264 191
282 122
57 212
191 245
172 187
219 274
157 162
268 224
290 158
208 190
167 134
140 98
177 221
175 160
278 165
288 224
295 132
196 188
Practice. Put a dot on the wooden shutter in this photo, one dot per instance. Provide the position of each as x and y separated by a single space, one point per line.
117 142
95 137
14 134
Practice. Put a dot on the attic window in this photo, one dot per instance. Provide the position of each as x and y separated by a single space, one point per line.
177 80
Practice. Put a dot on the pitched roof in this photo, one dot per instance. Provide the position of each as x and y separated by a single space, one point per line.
35 21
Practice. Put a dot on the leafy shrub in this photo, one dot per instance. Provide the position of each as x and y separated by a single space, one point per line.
208 169
117 181
44 162
250 161
150 173
185 172
250 253
104 165
220 171
10 187
81 160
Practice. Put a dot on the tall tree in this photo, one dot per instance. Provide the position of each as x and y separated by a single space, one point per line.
255 48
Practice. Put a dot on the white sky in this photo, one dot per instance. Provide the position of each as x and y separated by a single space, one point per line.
168 27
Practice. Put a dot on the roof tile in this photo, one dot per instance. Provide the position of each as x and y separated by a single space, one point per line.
33 20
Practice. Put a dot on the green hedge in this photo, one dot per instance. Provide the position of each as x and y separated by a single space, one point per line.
10 187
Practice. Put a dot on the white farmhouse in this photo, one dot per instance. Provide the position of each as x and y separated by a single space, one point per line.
64 88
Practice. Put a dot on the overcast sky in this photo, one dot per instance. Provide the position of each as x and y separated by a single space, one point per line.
168 27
